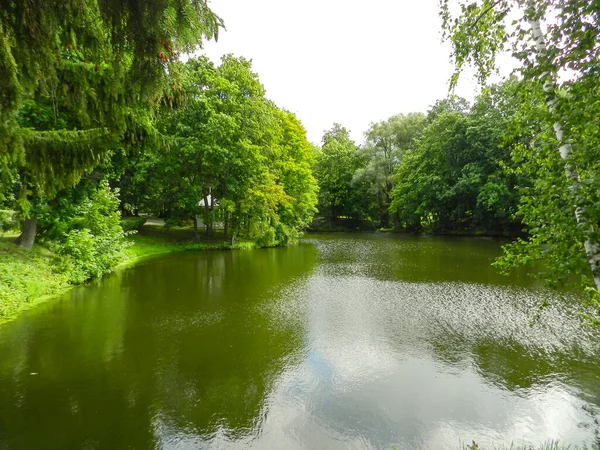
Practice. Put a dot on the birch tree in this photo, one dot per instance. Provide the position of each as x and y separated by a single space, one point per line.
557 45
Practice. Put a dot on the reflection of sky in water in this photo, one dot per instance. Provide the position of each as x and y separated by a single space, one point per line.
385 341
359 387
417 365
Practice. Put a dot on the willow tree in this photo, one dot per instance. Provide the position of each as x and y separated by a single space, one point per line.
386 142
104 64
560 73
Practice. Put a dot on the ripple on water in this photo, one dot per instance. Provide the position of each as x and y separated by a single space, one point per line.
366 342
429 364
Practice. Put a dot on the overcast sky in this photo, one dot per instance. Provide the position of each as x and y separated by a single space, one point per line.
347 61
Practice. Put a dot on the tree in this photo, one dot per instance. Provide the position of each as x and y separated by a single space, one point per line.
448 105
386 143
293 169
104 64
336 163
568 105
230 142
455 178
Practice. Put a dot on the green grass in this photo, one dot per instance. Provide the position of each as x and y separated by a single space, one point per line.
26 277
153 240
30 277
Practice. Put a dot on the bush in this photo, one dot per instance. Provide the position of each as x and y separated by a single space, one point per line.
77 255
8 220
96 242
267 239
130 224
171 222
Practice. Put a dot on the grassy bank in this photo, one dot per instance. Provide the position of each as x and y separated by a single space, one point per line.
30 277
26 278
154 240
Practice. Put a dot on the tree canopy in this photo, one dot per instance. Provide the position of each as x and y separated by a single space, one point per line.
455 179
81 77
559 78
229 143
336 162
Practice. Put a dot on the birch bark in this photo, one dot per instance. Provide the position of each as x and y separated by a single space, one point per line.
592 247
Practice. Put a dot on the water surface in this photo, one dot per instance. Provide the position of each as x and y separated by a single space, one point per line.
345 341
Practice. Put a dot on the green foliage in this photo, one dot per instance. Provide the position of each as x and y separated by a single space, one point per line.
232 157
95 243
25 276
385 146
554 240
561 207
336 163
8 220
132 224
81 78
456 177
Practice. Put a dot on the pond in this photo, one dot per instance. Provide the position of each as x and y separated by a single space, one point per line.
366 341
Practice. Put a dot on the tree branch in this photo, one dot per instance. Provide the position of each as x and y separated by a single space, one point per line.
484 12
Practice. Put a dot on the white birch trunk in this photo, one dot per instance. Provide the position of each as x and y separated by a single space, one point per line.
592 248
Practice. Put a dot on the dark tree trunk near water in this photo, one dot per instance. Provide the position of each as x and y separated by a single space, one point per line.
396 221
27 237
195 226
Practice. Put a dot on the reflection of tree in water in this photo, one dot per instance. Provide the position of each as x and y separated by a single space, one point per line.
178 345
412 258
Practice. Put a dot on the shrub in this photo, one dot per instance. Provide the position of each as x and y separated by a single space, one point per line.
171 222
130 224
267 239
8 220
96 242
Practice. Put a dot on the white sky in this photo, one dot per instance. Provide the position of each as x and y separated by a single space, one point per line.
347 61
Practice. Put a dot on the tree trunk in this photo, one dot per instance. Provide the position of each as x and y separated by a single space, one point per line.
385 220
396 221
195 226
332 218
232 239
27 237
207 217
592 248
226 224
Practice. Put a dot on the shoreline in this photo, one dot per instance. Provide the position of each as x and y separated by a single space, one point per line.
40 282
29 278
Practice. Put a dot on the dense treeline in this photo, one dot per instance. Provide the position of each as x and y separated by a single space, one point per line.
232 157
110 122
98 115
447 171
221 152
81 79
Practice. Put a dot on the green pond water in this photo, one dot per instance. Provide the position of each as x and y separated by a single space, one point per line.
342 342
